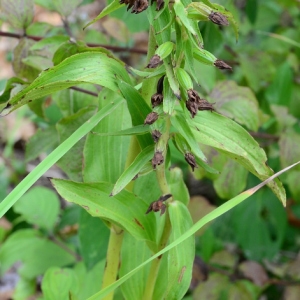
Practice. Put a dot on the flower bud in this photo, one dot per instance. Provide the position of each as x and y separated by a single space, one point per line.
154 62
184 79
156 99
157 159
164 50
220 64
151 118
218 18
156 135
190 159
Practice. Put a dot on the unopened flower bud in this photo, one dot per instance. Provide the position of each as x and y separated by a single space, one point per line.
205 105
139 6
218 18
192 107
151 118
156 135
159 205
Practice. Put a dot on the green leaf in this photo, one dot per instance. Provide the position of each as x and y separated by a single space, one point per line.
182 15
19 13
192 230
58 283
93 238
237 103
169 98
39 206
55 155
25 245
236 142
136 130
40 142
251 10
100 163
25 288
107 10
289 148
11 84
143 157
134 252
77 69
175 273
125 209
292 182
177 186
138 109
180 123
65 50
71 162
232 180
49 45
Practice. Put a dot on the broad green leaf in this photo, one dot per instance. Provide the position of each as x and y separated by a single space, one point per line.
100 162
289 148
177 185
93 238
71 162
89 281
47 46
11 84
232 180
26 245
136 130
38 63
114 5
65 50
283 118
58 283
144 156
19 13
280 90
42 141
237 103
237 143
192 230
124 209
169 98
134 252
66 8
53 157
292 182
175 273
39 206
138 110
25 288
180 123
77 69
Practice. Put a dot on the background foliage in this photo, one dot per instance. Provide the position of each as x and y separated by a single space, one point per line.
249 252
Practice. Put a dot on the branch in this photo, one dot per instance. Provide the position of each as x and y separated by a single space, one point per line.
113 48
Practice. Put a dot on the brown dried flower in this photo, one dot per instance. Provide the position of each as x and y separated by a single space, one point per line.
218 18
157 159
156 135
195 103
137 5
220 64
154 61
157 99
159 205
192 106
190 159
151 118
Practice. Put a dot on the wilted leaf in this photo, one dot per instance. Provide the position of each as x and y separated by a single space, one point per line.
254 271
236 102
19 13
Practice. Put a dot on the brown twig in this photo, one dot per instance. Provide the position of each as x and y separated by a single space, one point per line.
265 136
112 48
63 246
78 89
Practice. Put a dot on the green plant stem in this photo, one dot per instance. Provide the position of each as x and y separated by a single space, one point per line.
116 233
164 187
112 258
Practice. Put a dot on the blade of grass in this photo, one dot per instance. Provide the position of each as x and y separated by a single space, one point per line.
206 219
54 156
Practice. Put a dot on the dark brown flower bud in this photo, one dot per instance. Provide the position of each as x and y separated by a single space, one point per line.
156 135
160 85
190 159
151 118
220 64
218 18
157 99
139 6
157 159
154 61
193 95
205 105
192 106
160 4
159 205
